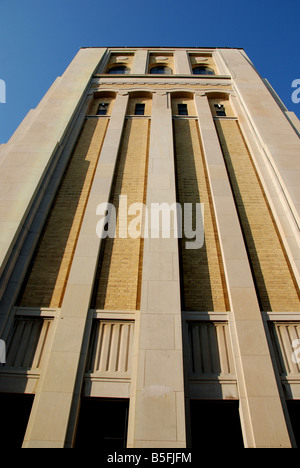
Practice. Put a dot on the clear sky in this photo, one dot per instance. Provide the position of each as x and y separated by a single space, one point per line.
38 39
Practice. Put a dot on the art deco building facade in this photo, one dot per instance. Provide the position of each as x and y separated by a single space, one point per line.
139 341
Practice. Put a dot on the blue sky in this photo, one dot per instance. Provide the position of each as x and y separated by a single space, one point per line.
38 39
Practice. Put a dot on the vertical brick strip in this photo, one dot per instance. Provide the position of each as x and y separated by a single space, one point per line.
202 270
274 279
47 279
120 262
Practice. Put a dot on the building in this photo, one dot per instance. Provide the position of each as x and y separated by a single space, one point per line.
152 337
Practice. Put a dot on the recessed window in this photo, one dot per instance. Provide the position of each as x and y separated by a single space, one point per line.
119 70
139 109
161 70
102 109
220 110
182 109
203 70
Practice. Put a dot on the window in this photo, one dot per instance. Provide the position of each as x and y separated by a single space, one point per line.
203 70
182 109
119 70
102 109
139 109
220 110
161 70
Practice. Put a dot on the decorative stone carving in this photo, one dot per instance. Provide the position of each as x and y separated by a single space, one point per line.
161 59
122 58
200 59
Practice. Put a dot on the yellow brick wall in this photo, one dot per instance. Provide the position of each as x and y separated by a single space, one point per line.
117 285
47 277
202 275
274 279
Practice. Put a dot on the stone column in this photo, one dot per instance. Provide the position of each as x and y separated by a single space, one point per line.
53 416
273 130
262 416
157 415
182 66
140 62
28 155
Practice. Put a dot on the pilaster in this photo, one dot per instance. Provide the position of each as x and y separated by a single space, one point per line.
55 407
27 158
258 391
273 130
140 62
157 416
182 66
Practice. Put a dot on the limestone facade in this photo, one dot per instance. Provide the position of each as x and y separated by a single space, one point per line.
143 321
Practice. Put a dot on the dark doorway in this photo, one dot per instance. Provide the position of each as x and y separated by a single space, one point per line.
102 423
215 424
15 411
294 413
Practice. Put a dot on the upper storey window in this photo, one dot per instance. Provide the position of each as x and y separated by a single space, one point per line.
203 70
139 109
119 64
119 70
220 110
102 108
182 109
161 70
161 63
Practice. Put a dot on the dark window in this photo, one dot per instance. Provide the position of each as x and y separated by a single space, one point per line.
202 70
15 412
139 109
102 109
220 110
215 423
119 70
102 423
294 413
182 109
161 70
